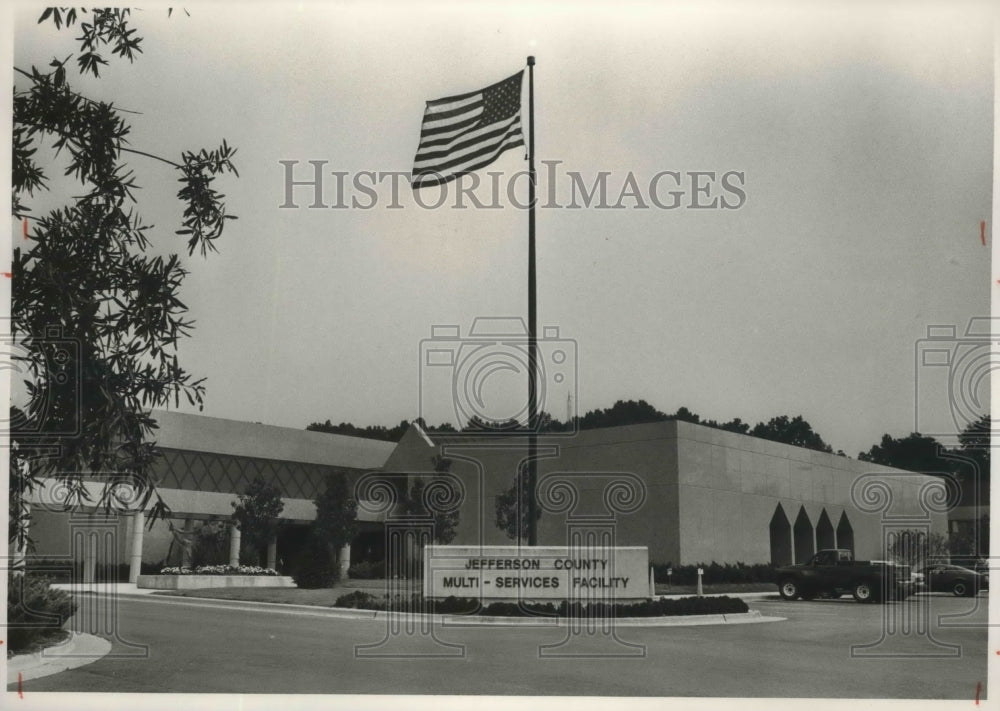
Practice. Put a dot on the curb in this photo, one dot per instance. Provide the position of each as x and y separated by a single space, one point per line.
744 618
80 650
450 620
744 595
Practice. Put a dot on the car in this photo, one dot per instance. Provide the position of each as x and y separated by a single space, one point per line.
959 581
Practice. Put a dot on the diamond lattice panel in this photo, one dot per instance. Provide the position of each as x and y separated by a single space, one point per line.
203 471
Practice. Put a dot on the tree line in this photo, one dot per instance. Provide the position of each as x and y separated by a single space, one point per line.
914 452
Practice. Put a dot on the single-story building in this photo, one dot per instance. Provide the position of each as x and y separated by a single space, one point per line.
688 492
206 462
704 494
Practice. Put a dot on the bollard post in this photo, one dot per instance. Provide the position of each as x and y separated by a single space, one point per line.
701 571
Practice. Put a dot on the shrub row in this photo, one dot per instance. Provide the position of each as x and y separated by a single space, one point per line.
715 573
35 611
374 570
465 606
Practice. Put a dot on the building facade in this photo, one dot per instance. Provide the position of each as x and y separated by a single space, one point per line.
690 493
206 463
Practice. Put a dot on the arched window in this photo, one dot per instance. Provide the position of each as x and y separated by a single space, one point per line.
781 538
805 544
845 533
824 532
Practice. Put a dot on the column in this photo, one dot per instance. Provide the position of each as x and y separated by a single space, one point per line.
135 561
186 541
234 545
272 555
344 561
89 556
89 552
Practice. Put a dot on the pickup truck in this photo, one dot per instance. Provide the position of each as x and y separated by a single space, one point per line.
831 573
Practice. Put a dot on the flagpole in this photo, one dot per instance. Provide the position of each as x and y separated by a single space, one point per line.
532 317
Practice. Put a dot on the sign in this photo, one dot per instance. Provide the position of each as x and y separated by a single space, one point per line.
536 573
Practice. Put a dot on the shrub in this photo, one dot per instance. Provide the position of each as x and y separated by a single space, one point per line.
360 601
464 606
454 606
715 573
317 567
35 611
374 570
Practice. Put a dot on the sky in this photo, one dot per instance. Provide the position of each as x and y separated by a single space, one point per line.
861 135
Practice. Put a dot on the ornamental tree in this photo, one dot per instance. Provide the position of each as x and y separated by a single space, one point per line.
95 317
511 508
336 514
334 527
914 547
256 513
447 516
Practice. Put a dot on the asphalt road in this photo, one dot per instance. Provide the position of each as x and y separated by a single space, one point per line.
196 646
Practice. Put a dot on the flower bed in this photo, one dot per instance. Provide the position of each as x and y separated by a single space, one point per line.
220 570
215 576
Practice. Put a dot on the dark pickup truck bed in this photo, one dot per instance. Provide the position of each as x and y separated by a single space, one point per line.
831 573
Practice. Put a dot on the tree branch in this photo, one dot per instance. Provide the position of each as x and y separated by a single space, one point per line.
88 100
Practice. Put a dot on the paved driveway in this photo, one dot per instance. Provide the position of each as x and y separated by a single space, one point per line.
202 646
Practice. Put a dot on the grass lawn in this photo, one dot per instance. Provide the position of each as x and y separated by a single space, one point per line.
327 597
323 597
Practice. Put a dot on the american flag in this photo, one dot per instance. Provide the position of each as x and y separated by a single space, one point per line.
464 133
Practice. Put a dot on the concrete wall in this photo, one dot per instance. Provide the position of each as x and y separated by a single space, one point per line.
53 533
731 484
589 462
196 433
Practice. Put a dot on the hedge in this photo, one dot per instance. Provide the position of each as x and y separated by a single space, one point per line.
315 566
374 570
36 612
465 606
715 573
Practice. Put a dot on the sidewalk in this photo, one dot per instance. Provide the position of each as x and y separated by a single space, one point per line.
103 588
81 649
